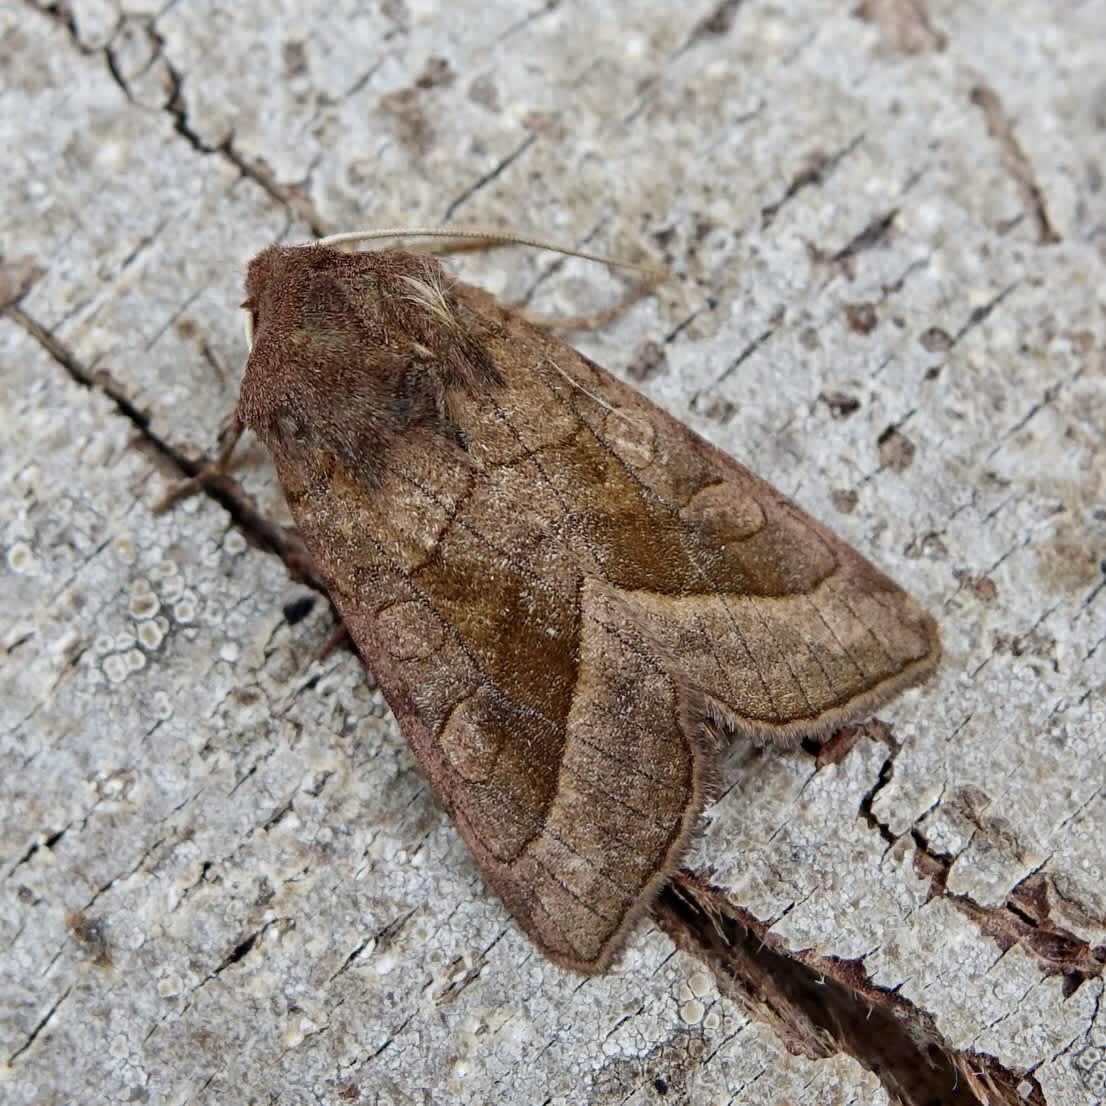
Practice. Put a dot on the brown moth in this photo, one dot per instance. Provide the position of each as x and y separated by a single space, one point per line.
562 592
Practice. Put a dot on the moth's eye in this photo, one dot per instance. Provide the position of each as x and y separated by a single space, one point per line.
251 324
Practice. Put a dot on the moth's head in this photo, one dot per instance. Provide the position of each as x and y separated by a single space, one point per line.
349 351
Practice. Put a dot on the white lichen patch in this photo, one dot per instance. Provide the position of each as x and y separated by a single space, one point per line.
115 668
234 543
160 706
170 588
170 986
184 610
384 964
115 786
299 1028
20 558
124 549
700 984
152 633
143 604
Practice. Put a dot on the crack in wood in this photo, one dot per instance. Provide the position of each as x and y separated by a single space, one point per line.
815 170
501 167
823 1005
527 19
716 23
874 234
42 1023
1022 920
292 198
267 535
1014 160
904 25
886 771
47 843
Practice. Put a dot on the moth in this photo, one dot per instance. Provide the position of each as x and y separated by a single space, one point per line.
563 593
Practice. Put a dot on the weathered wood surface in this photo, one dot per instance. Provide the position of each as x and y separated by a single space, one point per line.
223 878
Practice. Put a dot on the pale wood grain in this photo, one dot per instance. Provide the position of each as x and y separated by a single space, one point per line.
223 878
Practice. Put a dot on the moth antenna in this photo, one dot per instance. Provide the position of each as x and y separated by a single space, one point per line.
598 319
490 236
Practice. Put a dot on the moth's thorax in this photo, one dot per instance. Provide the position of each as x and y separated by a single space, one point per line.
353 351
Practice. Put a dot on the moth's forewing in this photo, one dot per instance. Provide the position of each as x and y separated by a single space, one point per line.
558 587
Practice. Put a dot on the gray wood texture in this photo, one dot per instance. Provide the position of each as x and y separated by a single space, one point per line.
222 877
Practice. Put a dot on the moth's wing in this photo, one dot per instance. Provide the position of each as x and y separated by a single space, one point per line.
578 823
838 643
571 759
787 630
555 596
